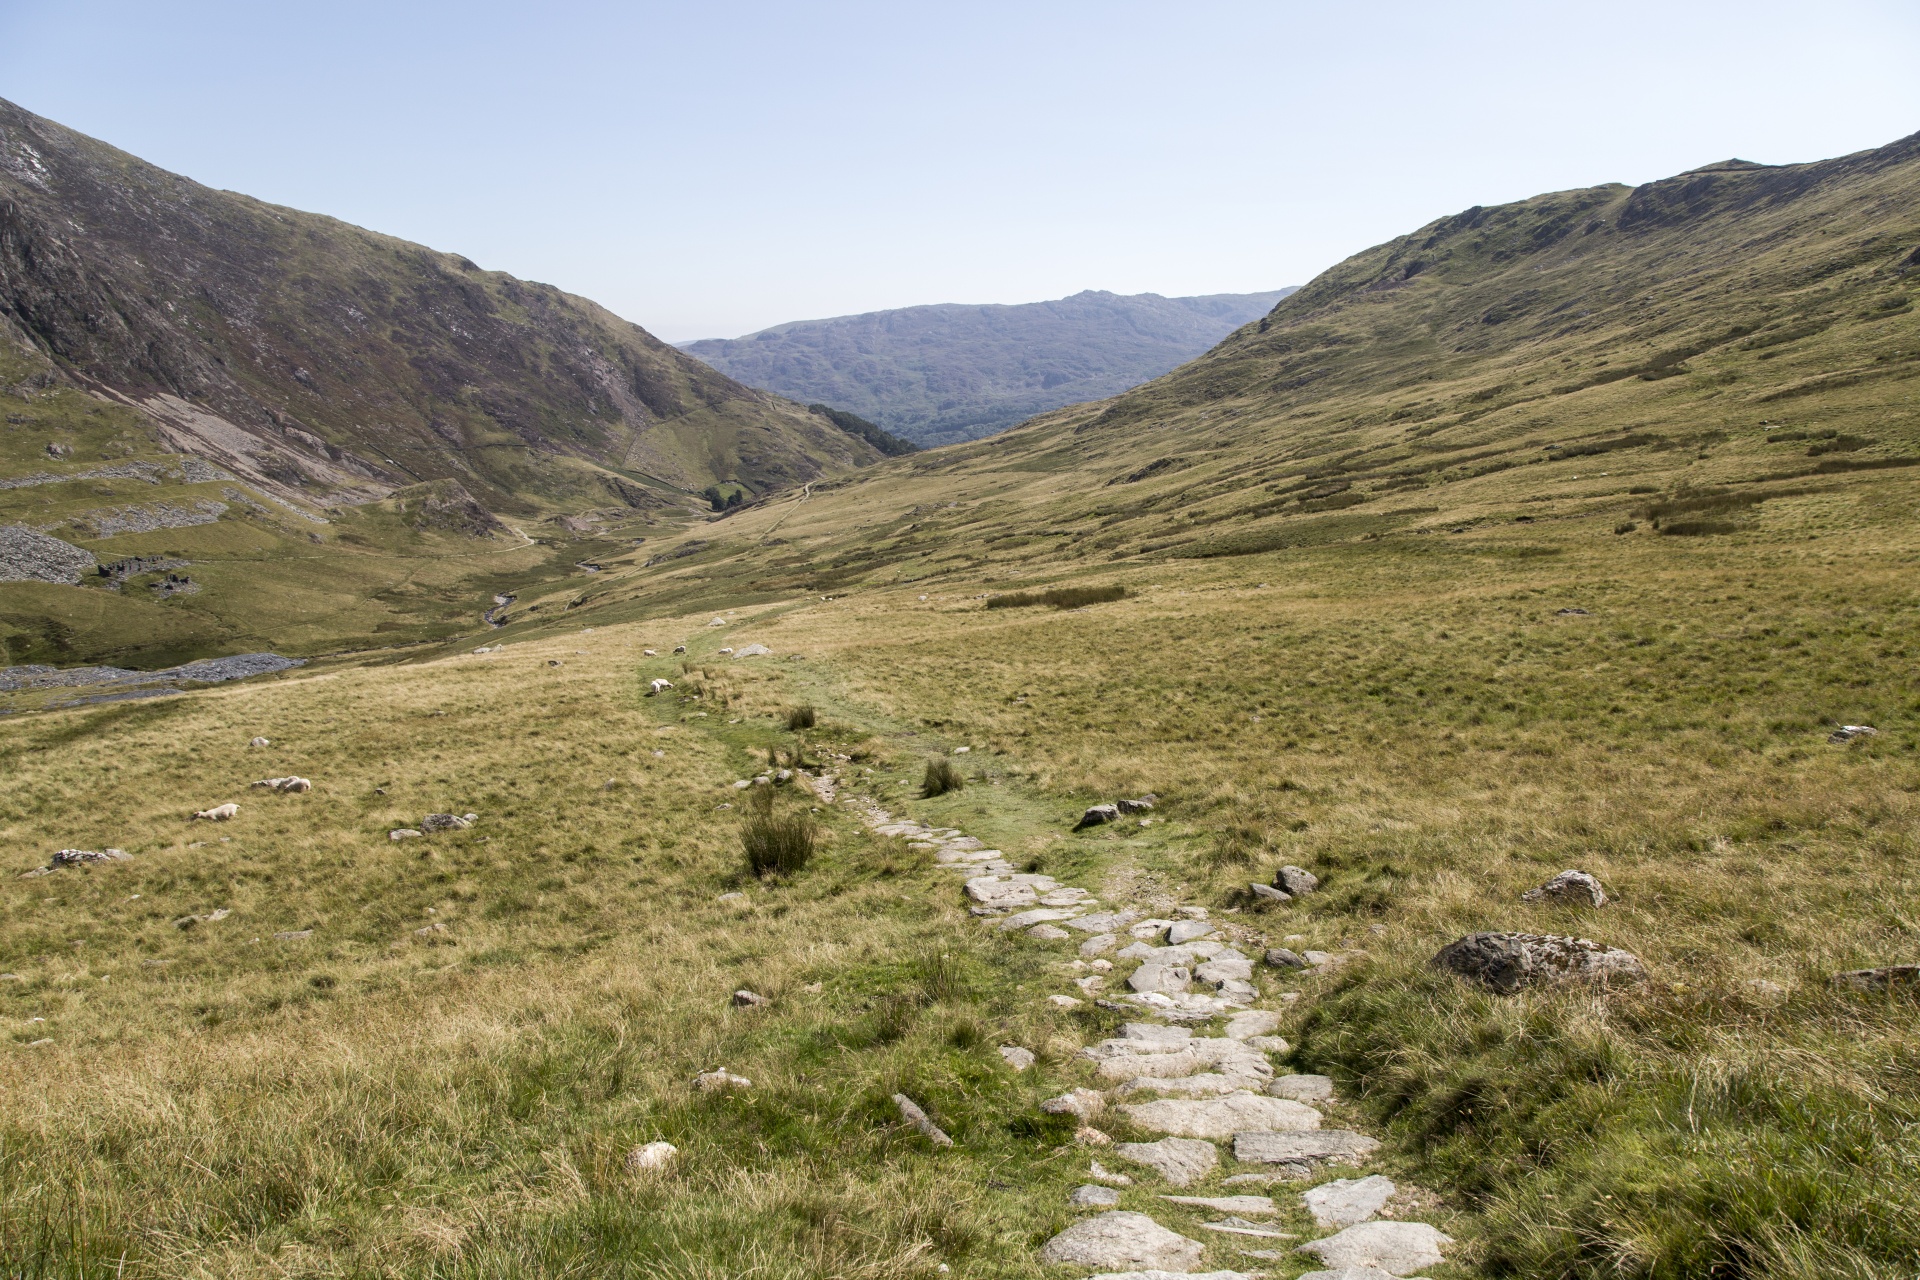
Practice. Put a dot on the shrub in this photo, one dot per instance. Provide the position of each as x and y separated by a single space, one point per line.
940 778
1058 597
801 718
776 844
1625 526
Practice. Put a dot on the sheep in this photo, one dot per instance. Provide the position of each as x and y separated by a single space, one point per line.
650 653
295 785
219 813
657 686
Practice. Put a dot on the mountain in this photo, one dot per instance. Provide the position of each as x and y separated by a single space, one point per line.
329 364
941 374
1582 354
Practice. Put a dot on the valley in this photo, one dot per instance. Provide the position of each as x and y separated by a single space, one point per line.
1572 534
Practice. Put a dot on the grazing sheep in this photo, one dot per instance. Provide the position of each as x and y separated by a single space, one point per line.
655 687
259 742
294 785
649 653
219 813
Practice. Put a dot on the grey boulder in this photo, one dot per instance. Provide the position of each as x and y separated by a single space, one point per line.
1122 1239
1098 814
1295 880
1283 958
1397 1248
1574 888
1506 962
1267 893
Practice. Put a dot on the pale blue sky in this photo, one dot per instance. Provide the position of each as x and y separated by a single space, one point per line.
709 169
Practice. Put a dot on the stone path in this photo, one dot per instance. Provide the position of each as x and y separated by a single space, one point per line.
1175 1073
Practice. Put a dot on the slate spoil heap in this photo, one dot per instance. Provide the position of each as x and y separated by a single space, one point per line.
1171 1074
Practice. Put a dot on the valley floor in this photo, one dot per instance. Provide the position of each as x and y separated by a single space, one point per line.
432 1056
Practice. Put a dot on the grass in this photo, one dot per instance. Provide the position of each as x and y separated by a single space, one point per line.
776 844
801 718
1058 597
940 778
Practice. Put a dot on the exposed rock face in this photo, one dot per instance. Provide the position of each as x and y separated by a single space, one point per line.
445 505
1507 962
1574 888
1122 1239
27 556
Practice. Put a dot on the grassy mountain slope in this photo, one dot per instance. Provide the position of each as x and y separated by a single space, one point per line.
336 364
941 374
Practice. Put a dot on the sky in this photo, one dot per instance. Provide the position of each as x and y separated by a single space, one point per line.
708 169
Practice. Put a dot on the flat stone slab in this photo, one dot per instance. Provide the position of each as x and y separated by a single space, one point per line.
1254 1022
1350 1273
1048 933
1301 1088
1154 1033
1090 1196
1348 1201
1270 1147
1172 1275
1205 1085
1104 922
1260 1205
1039 915
1181 1161
993 891
1226 1117
1122 1239
1164 978
1187 931
1397 1248
1157 1065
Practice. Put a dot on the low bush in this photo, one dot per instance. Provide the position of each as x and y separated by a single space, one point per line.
940 778
1058 597
801 718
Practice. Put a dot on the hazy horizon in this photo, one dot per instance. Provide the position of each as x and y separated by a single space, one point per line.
710 173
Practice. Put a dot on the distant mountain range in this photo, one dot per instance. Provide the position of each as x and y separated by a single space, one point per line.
940 374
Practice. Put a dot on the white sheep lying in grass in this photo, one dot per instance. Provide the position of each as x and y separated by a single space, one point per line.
294 785
219 813
655 687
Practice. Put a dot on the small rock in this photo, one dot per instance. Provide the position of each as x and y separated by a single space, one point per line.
1848 732
1187 931
259 742
1893 975
1282 958
653 1156
1398 1248
1048 933
744 999
753 651
735 896
1098 943
428 930
1096 815
1575 888
1302 1088
1117 1179
1141 805
1295 880
1347 1202
1063 1002
403 833
1270 1044
1241 1227
1016 1057
1267 893
1255 1022
1193 913
1181 1161
1506 962
1122 1239
1084 1103
1091 1197
718 622
1088 1136
446 822
910 1112
718 1081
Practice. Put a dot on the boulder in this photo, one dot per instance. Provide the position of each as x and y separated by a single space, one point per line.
1187 931
1088 1196
1098 814
1122 1239
1295 880
1301 1088
1893 975
1848 732
1346 1202
753 651
1506 962
1159 977
1267 893
1016 1057
1225 1117
1181 1161
1323 1145
1574 888
720 1081
1397 1248
1282 958
910 1112
446 822
1141 805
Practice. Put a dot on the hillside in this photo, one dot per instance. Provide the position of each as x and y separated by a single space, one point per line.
940 374
332 364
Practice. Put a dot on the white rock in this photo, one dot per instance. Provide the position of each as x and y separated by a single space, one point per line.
655 1155
1048 933
1347 1202
1016 1057
1262 1205
718 622
1254 1022
715 1081
1092 1197
403 833
1159 1066
1144 1033
1122 1239
1397 1248
1116 1179
1149 928
1181 1161
1225 1117
753 651
1063 1002
1303 1088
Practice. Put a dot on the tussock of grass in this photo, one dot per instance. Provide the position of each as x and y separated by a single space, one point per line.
776 843
1058 597
801 718
940 778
